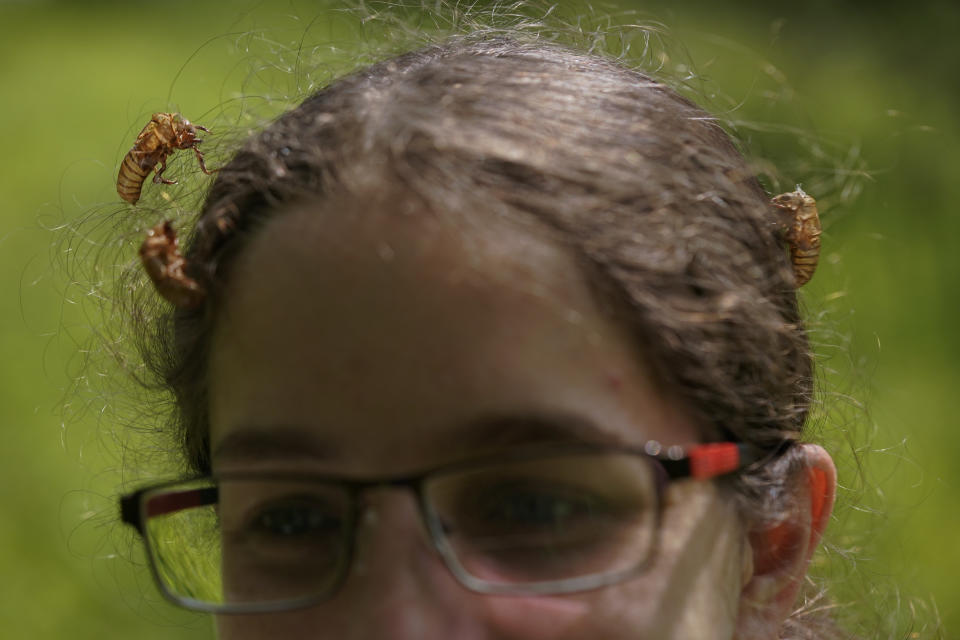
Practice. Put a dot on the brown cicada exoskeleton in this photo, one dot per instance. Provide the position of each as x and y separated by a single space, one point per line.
164 134
801 231
161 258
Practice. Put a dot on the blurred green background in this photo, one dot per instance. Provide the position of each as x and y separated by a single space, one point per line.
859 101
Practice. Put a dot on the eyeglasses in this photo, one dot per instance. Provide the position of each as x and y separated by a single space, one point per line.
551 521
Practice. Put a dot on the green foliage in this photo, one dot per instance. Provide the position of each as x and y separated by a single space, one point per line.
819 91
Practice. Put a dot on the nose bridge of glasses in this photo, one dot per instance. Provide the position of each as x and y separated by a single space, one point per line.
389 514
393 544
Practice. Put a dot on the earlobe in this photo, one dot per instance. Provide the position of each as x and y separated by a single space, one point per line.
781 553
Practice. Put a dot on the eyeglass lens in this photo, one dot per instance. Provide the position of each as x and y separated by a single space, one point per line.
536 521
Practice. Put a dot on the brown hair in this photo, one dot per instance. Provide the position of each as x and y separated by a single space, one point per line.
646 189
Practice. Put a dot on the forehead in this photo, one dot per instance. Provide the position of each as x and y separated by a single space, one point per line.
373 324
407 272
390 243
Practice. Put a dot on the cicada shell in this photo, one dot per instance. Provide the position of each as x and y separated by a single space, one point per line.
160 254
801 231
164 134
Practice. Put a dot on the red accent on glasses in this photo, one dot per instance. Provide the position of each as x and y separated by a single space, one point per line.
714 459
170 502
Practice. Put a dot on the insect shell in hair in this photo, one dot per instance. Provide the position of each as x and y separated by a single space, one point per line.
801 231
164 134
160 254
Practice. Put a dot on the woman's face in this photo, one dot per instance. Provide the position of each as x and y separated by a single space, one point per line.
371 345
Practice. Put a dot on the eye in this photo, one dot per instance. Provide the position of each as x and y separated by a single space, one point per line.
286 542
295 518
534 508
528 506
534 529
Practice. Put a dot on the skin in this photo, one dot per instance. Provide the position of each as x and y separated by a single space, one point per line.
378 355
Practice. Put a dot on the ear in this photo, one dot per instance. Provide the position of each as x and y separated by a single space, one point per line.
780 554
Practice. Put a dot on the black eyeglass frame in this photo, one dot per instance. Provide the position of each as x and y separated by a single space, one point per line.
703 462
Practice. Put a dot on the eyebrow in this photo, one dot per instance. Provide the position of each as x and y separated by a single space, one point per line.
501 430
484 433
273 442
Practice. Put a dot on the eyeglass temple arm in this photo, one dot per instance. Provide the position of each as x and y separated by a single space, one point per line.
701 462
710 460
